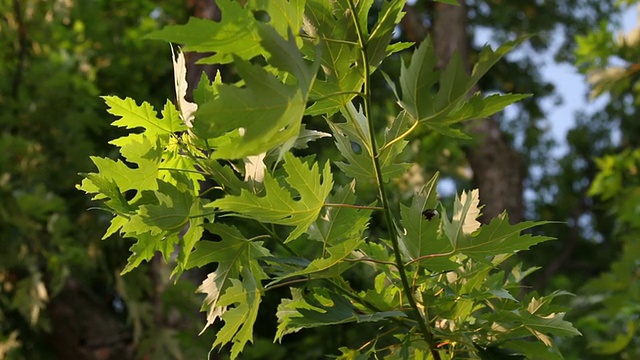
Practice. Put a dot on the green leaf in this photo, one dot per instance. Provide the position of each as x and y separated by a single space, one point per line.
352 140
144 116
320 307
237 33
105 187
236 257
389 154
234 250
278 206
125 178
448 104
385 296
533 350
265 113
478 107
191 237
550 324
305 136
146 246
500 237
338 223
378 43
421 237
172 210
223 175
331 265
245 296
340 57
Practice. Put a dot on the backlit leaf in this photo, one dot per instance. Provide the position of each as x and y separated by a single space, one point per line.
278 206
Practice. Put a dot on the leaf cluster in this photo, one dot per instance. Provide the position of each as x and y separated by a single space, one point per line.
218 182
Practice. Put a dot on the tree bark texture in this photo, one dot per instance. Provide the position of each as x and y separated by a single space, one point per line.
203 9
498 169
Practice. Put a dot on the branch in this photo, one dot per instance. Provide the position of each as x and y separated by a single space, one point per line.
428 336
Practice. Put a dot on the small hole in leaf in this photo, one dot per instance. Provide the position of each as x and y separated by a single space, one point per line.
261 16
356 148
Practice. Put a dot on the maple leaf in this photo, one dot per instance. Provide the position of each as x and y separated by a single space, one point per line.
246 296
321 307
341 61
146 246
278 206
449 104
265 113
352 139
237 34
236 256
134 116
422 237
500 237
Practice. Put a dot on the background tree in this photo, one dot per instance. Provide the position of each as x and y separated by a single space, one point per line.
607 305
61 296
57 58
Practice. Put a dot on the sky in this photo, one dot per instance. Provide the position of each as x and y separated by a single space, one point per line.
572 87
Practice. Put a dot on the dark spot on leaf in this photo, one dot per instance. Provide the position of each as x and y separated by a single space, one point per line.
356 148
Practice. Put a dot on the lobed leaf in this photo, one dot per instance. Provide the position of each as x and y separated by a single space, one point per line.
278 206
266 113
438 98
321 308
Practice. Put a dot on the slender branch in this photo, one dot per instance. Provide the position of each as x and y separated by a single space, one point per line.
351 206
393 235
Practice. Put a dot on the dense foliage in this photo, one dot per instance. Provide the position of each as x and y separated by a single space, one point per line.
61 292
225 166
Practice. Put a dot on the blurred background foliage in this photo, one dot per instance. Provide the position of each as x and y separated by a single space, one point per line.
60 293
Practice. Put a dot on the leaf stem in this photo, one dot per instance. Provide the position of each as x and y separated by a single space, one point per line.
183 170
430 256
279 240
400 137
391 227
376 261
351 206
338 93
337 41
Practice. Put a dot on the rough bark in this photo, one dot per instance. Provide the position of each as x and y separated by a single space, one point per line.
498 170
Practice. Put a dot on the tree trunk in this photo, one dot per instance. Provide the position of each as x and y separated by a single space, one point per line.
203 9
498 170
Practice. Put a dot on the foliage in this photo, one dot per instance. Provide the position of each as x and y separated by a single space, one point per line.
57 57
435 287
607 306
